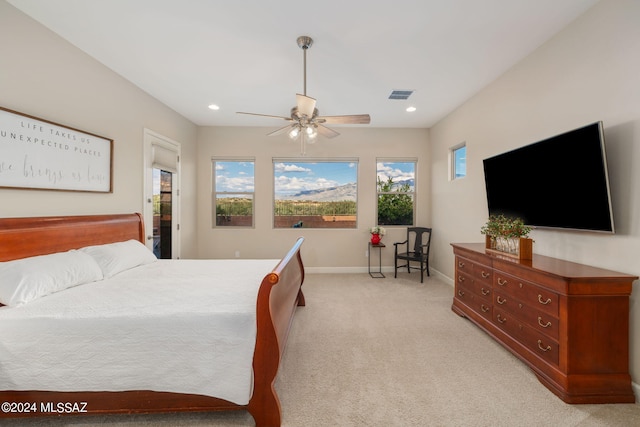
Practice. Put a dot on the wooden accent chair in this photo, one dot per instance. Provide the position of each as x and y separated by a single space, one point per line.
419 241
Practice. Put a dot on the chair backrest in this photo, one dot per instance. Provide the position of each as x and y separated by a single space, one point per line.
421 239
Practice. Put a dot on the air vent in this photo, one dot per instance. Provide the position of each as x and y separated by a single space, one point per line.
400 94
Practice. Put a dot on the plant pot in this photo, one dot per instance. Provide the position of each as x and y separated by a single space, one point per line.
519 247
375 239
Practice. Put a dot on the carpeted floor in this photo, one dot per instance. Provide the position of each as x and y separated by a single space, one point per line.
390 352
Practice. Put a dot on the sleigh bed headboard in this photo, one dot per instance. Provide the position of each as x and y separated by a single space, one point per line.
25 237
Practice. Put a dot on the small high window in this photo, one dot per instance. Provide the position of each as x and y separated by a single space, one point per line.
459 161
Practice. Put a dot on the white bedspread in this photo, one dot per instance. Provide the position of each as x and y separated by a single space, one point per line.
185 326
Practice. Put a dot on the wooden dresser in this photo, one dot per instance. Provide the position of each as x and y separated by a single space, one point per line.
568 322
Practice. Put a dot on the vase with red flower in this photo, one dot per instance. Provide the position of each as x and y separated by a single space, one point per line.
376 234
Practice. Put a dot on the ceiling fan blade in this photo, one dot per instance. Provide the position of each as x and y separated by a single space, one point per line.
354 119
265 115
280 131
326 132
306 105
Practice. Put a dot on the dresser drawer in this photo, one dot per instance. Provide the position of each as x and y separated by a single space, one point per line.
483 308
527 292
464 265
534 318
479 288
479 272
463 287
466 294
536 342
483 290
483 274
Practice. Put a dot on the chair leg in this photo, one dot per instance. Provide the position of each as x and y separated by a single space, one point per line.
395 269
421 273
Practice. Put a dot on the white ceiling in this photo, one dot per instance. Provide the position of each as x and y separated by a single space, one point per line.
243 56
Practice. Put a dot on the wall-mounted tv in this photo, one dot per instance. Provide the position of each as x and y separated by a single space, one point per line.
560 182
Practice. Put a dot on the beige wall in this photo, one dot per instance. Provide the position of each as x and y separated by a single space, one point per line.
324 249
44 76
588 72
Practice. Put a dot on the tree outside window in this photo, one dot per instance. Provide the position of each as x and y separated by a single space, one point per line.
396 192
233 194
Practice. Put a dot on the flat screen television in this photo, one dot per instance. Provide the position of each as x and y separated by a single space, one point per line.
560 182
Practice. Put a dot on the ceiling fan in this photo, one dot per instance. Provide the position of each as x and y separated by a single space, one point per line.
305 119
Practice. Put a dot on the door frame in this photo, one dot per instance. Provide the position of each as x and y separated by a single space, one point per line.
150 139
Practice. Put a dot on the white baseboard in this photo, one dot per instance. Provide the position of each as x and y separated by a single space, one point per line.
636 390
388 270
335 270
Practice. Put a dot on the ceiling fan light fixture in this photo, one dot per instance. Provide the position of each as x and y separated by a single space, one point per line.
293 133
312 133
305 120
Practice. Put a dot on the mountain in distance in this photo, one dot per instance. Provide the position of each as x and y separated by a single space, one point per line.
397 184
341 192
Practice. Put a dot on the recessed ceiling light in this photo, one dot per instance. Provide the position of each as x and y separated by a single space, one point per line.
411 109
214 107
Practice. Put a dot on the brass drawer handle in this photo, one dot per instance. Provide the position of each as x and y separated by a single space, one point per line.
499 301
543 325
460 279
548 301
461 264
484 308
461 293
501 282
543 348
485 275
485 291
501 319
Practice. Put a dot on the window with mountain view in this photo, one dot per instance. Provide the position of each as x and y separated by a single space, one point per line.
396 192
315 193
233 184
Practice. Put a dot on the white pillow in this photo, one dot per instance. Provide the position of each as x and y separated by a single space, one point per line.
116 257
27 279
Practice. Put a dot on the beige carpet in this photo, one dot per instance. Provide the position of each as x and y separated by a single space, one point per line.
390 352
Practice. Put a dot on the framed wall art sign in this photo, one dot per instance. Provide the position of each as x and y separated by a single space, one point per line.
39 154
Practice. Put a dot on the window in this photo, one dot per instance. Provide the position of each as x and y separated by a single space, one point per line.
315 193
459 161
233 184
396 192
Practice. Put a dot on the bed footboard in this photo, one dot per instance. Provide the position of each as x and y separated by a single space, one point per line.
279 295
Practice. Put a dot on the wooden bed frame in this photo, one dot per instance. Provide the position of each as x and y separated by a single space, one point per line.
279 295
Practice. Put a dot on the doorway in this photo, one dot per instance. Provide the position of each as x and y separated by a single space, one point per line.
162 204
162 213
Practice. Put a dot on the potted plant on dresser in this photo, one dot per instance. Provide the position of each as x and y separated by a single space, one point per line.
508 236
